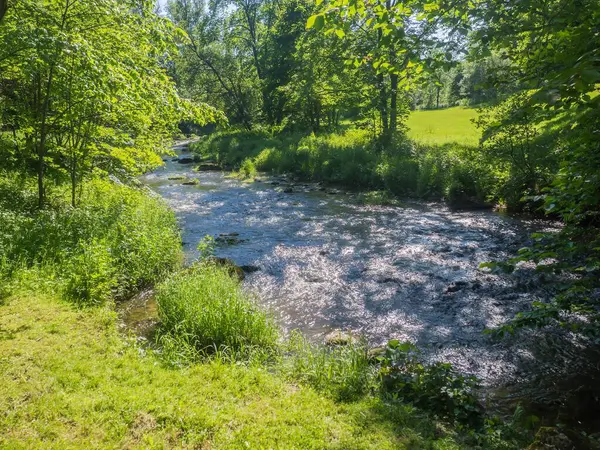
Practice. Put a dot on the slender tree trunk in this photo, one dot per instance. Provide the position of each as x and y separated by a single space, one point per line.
437 98
3 8
73 180
383 110
42 143
393 102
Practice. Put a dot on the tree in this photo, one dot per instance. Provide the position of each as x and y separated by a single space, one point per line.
88 87
401 40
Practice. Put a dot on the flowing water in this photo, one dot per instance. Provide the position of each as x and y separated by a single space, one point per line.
327 263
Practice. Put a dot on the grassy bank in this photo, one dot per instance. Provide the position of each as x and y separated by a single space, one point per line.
219 374
68 380
438 159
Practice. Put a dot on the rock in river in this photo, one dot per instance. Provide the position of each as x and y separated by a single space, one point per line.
233 269
339 337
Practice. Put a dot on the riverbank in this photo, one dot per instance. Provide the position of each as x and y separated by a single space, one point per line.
69 380
436 159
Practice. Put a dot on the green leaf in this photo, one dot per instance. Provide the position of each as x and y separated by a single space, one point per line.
317 22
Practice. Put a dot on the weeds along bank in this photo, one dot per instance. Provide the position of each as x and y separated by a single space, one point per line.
352 158
116 241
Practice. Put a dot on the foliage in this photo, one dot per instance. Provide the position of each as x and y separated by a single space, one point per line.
84 89
436 387
553 51
118 240
343 371
205 309
247 169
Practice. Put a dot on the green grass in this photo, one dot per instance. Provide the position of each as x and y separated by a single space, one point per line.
204 310
116 241
444 126
68 380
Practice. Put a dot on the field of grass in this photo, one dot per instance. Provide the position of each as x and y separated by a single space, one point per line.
444 126
69 380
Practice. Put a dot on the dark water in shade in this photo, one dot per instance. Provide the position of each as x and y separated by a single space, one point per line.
327 263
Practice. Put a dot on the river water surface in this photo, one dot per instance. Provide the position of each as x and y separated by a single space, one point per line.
326 263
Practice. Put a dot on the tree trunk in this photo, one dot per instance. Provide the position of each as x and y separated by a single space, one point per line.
73 180
437 98
42 143
393 102
3 8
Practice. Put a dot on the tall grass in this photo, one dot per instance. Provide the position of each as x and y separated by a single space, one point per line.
203 310
118 240
343 372
457 172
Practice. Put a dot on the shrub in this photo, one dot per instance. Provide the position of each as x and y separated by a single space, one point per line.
247 169
436 387
118 240
205 308
90 275
399 174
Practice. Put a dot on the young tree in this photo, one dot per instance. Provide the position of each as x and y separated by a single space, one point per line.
89 87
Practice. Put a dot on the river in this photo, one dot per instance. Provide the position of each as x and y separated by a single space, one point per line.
325 262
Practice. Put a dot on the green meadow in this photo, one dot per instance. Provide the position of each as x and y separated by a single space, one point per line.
444 126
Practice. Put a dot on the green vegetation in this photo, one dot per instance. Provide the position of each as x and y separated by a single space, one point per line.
444 126
117 241
91 93
68 380
353 159
203 310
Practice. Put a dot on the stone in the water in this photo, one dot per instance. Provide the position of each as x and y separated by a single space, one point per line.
176 177
185 160
191 182
339 337
250 268
550 438
457 286
208 166
288 190
388 280
233 270
229 239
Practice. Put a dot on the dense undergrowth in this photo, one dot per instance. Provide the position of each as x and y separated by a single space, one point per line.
351 158
118 240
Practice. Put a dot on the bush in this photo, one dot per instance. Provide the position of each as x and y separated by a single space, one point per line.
205 309
247 169
436 387
117 240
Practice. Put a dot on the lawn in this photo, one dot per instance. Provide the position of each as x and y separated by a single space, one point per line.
443 126
68 379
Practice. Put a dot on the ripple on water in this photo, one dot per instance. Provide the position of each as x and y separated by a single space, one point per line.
386 272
